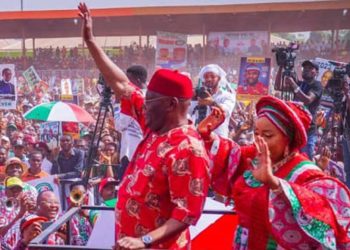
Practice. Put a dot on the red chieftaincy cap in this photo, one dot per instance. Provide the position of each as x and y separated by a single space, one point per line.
171 83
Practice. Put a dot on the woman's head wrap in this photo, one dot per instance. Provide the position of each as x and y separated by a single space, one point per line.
291 118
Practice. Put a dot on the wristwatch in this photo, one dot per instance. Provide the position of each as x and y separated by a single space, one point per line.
147 240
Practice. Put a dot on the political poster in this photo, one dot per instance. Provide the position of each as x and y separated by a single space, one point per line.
254 78
31 76
325 74
171 50
325 71
49 133
252 43
72 129
46 184
78 86
66 90
8 87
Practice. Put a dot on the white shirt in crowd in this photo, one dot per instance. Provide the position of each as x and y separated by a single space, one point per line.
227 102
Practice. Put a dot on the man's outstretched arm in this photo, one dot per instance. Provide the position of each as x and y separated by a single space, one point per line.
113 75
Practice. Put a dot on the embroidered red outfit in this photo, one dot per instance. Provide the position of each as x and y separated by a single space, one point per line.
130 121
310 211
167 178
256 89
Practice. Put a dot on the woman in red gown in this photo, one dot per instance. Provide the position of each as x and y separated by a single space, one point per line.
282 199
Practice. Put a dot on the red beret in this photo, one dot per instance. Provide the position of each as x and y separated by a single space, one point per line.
171 83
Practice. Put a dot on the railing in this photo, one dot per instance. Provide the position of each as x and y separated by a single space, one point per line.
37 243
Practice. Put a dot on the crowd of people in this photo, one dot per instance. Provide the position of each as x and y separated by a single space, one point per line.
165 149
73 59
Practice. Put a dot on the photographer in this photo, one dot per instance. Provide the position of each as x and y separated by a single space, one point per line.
214 93
309 91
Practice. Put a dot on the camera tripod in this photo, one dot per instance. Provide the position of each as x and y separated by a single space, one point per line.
105 107
286 92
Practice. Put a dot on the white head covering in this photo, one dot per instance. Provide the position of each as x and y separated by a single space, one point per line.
216 69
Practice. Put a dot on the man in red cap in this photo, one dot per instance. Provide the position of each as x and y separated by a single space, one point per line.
164 188
108 189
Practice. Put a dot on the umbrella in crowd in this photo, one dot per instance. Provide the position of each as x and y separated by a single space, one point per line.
58 111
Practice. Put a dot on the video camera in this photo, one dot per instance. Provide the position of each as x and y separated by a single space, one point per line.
103 89
201 92
285 57
336 83
341 71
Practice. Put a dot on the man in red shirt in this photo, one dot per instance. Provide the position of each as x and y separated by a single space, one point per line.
165 185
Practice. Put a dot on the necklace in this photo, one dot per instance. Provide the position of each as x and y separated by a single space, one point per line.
279 164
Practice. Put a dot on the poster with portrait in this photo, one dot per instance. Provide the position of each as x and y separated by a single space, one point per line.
67 92
254 78
249 43
8 87
325 73
171 50
31 76
78 86
49 133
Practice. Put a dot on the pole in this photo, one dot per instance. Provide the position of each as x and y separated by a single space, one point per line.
83 48
336 43
140 35
34 53
204 31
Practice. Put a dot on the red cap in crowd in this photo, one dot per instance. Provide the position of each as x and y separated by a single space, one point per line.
105 181
29 139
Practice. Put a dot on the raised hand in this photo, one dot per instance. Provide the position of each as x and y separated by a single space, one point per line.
324 159
31 232
264 172
211 122
85 15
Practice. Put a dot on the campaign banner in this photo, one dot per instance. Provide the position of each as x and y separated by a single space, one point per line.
23 87
325 73
250 43
8 88
46 184
72 129
78 86
49 133
171 50
66 90
254 78
31 76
